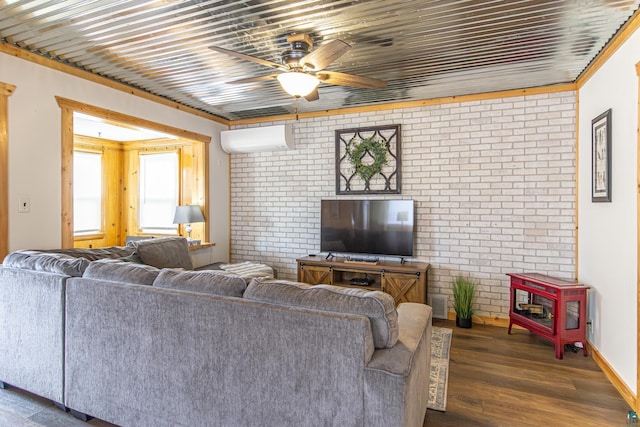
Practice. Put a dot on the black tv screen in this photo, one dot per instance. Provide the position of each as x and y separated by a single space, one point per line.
377 227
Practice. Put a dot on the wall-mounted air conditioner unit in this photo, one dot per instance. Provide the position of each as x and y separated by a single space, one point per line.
251 140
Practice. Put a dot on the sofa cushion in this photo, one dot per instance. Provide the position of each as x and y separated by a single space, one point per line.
376 305
121 271
47 262
164 252
204 281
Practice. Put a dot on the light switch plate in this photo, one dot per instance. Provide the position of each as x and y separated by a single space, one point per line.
24 204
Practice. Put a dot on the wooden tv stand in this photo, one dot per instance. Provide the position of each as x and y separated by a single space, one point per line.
404 282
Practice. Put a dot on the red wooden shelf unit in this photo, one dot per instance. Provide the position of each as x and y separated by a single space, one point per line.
553 308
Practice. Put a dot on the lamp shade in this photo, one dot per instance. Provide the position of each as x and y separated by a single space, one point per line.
188 214
298 84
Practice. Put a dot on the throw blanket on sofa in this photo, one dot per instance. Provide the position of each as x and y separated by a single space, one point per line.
249 270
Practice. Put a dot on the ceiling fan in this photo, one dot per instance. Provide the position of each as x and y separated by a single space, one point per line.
303 68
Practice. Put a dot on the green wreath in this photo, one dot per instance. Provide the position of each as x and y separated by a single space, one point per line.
356 151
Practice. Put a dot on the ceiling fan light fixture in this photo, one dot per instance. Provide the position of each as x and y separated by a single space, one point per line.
298 84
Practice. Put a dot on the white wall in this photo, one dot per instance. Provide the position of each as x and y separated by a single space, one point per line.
607 237
35 153
493 181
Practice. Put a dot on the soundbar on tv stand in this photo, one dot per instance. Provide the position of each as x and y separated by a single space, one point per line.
373 260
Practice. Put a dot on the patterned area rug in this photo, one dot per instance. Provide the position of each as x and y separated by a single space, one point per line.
440 345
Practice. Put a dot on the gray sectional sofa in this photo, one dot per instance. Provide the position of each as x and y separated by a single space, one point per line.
140 345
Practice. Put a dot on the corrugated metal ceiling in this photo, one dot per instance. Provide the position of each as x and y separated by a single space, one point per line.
423 49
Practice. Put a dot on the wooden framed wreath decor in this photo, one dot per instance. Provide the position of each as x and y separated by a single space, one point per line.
368 160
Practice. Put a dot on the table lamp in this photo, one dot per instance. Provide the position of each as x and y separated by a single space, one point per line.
188 214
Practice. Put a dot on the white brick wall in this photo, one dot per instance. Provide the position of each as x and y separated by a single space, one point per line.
493 181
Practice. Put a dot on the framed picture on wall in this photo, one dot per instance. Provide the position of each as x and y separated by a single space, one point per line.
368 160
601 158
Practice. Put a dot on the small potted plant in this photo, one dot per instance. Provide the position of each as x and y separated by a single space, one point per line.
463 293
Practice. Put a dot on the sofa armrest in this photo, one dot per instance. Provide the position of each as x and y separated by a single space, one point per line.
397 378
32 331
413 321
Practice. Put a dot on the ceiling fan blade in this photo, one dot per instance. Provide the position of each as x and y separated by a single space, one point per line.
255 79
313 96
248 57
324 55
342 79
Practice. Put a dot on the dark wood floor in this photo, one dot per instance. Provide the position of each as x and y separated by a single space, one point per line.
21 409
496 379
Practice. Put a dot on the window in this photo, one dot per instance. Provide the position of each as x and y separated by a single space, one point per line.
121 205
158 192
87 192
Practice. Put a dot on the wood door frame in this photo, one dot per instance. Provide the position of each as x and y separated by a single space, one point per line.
637 405
68 107
5 92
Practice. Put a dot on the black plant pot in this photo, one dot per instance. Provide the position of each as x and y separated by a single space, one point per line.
463 323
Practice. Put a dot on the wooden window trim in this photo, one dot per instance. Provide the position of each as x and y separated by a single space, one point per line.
93 236
68 107
5 92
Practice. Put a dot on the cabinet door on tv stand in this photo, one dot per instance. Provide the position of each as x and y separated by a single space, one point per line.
404 287
315 275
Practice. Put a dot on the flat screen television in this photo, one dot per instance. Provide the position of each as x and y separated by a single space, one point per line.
376 227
